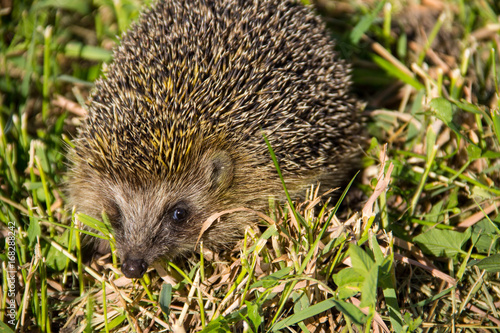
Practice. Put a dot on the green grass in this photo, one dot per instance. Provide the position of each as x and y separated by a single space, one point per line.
415 246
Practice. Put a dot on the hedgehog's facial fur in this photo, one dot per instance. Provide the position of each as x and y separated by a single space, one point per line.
159 219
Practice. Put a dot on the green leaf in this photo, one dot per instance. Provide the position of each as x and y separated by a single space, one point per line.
396 72
443 110
491 264
165 298
430 139
33 185
81 7
349 290
365 23
347 276
273 279
391 299
34 230
347 308
349 282
386 283
352 311
93 223
474 152
442 243
6 329
433 298
495 116
116 321
253 313
436 212
491 155
361 261
485 237
413 324
55 259
385 272
369 288
219 325
300 301
469 107
88 52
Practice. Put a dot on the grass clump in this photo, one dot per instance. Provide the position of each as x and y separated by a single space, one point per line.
412 247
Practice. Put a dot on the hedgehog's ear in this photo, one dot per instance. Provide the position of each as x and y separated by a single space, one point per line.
222 173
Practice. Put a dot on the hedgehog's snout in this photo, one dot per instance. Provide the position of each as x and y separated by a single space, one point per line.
134 268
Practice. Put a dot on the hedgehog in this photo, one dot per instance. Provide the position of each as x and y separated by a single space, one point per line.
176 125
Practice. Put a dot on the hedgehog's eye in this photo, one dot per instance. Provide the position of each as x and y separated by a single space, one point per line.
179 214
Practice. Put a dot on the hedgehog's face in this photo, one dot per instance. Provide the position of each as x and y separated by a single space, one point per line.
164 218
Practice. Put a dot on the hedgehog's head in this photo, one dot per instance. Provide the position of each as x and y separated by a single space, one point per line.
163 217
155 216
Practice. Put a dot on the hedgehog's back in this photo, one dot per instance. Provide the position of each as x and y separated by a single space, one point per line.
219 71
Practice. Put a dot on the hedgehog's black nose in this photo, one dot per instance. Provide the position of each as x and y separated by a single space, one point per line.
134 268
